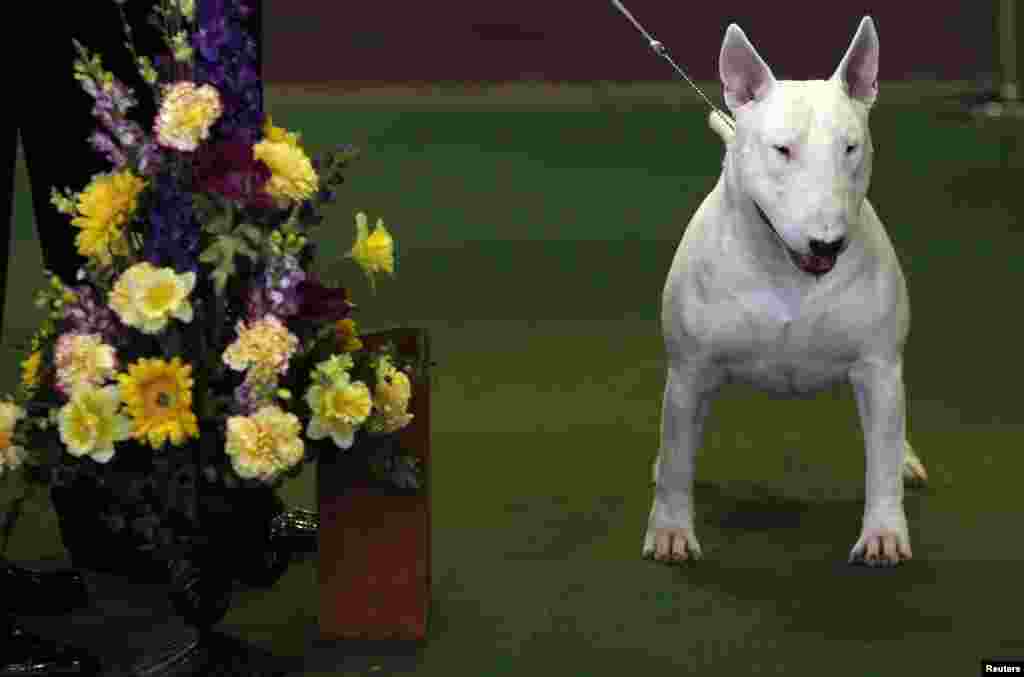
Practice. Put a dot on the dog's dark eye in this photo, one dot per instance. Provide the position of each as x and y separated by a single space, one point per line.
851 148
782 150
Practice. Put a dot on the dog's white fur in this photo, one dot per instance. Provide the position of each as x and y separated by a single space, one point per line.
737 308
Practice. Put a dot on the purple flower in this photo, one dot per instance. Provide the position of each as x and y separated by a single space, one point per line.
102 143
244 404
150 159
173 239
89 314
229 168
226 57
278 289
318 303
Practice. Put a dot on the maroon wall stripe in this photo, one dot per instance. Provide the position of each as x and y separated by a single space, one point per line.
497 40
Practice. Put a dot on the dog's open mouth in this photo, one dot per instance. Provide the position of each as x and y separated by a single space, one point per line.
808 263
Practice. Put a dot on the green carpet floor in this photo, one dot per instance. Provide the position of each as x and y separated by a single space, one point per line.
534 245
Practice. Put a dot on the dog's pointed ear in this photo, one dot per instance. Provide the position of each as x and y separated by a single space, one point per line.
745 75
858 71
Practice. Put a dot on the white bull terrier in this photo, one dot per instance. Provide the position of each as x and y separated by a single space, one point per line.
785 279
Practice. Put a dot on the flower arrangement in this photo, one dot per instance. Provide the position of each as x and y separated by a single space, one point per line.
198 309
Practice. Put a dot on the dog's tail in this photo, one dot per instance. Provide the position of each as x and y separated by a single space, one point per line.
722 126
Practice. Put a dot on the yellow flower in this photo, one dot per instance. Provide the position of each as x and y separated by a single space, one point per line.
374 252
106 204
89 424
293 178
30 370
159 399
264 444
182 48
391 399
146 297
11 455
347 336
265 345
279 134
186 115
188 9
335 369
337 410
83 360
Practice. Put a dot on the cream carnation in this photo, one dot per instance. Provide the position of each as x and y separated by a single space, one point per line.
265 444
265 346
186 115
83 360
11 455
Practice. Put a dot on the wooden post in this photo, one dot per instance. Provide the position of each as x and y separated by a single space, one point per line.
374 550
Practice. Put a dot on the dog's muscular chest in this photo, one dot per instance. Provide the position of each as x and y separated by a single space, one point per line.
789 342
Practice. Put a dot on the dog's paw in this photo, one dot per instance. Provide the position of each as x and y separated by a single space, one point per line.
671 545
913 469
882 543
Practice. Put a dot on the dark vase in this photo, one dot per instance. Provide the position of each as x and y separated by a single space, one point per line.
152 517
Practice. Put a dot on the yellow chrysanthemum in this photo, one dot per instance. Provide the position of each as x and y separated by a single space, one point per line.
103 208
11 455
159 399
347 336
265 444
83 360
293 178
265 346
30 369
90 423
279 134
337 410
146 297
374 252
186 115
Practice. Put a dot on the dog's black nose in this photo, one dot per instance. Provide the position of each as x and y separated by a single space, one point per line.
830 249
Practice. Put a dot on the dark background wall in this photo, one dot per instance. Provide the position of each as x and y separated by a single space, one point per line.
496 40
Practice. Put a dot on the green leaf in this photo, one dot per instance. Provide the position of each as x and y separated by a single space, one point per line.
219 224
251 232
221 254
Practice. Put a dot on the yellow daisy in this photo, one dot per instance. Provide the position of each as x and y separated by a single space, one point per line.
265 444
293 178
90 423
159 399
146 297
337 410
103 208
374 252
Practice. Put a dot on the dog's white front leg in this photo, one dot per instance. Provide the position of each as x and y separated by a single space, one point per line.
688 391
878 386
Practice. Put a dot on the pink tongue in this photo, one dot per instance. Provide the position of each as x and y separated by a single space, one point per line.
816 264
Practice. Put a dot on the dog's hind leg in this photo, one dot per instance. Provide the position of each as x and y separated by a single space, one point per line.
913 469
